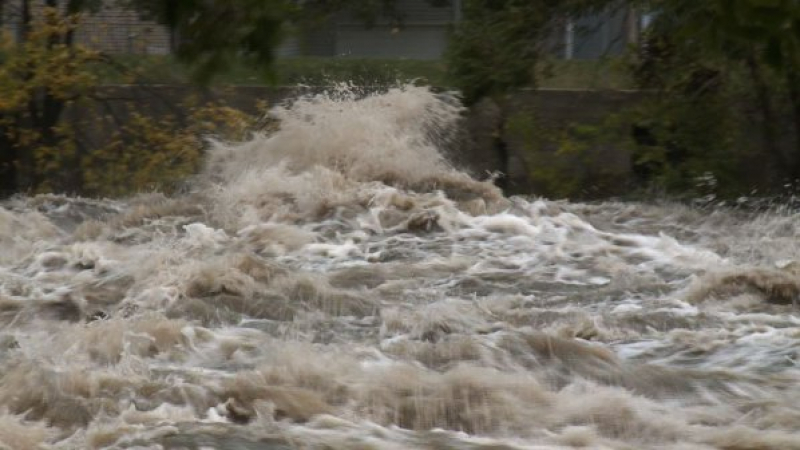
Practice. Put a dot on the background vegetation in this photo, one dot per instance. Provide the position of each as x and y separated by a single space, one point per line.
721 112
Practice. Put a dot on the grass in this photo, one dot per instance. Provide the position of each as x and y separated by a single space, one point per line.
558 74
585 74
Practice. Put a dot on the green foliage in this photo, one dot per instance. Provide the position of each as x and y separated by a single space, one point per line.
602 74
214 33
690 141
570 160
497 45
715 67
688 36
768 30
500 44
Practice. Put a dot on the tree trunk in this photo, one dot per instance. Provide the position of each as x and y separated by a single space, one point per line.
768 118
42 115
8 164
26 19
793 83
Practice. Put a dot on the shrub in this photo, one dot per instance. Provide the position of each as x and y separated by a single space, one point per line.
158 152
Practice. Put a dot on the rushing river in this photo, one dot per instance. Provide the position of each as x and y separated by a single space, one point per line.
338 285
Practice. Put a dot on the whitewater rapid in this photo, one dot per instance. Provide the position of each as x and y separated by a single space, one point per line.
337 284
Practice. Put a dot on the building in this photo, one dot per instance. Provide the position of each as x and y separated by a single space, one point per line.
423 33
419 33
596 36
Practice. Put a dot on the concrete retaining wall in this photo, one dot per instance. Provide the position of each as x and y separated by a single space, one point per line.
486 145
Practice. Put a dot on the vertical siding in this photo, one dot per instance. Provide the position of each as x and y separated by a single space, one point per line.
288 48
412 42
600 35
320 42
421 33
411 12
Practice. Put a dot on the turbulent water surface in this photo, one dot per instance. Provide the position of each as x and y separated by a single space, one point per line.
338 285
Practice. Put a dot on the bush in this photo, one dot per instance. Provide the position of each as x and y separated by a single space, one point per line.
158 152
722 75
39 76
571 160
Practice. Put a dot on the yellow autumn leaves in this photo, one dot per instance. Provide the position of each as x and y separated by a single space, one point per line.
65 135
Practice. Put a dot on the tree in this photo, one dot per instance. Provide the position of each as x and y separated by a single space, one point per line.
44 70
695 52
39 75
210 35
705 62
500 45
43 73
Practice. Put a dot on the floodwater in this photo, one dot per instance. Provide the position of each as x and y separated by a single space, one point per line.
338 285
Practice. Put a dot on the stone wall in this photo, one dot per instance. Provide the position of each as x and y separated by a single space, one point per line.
486 145
557 147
